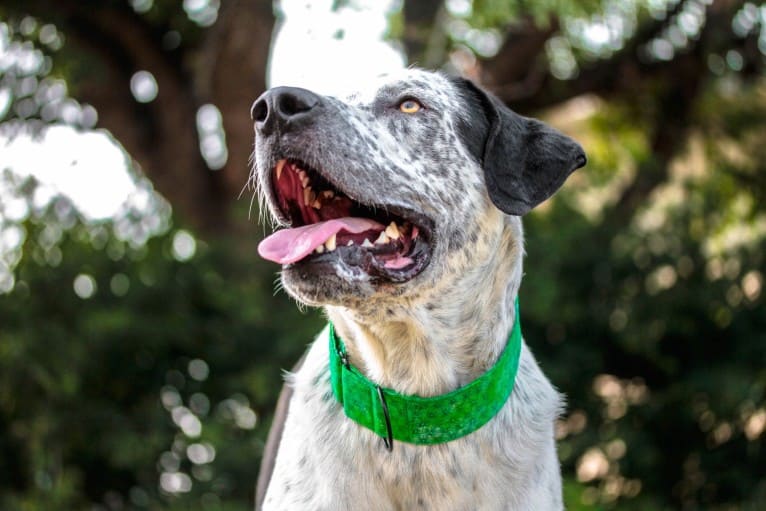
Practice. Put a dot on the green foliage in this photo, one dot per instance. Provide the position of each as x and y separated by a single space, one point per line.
663 378
166 361
496 13
655 330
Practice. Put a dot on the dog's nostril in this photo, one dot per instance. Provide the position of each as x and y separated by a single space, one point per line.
259 111
290 104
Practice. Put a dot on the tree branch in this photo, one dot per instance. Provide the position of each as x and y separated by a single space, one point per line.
670 87
517 62
526 87
683 80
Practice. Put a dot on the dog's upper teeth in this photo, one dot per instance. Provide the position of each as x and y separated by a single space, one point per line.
308 196
330 243
366 243
316 204
382 239
304 178
280 167
392 231
328 194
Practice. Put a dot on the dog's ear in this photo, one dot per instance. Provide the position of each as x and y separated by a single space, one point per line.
525 161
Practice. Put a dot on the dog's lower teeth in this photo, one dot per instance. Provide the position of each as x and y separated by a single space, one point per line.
319 249
350 242
366 243
330 243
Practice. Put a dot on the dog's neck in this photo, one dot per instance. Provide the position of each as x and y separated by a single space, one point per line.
446 338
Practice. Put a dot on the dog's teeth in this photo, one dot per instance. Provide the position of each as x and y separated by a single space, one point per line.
382 239
392 231
304 178
366 243
330 243
319 249
350 242
308 196
414 231
316 204
280 166
328 194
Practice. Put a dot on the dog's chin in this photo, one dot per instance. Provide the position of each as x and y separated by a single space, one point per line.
350 276
317 289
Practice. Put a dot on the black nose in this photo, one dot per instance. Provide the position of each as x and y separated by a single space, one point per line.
281 108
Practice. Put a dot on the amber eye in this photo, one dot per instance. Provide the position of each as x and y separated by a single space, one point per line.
410 106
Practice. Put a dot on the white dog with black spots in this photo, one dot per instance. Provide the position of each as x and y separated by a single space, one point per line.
399 213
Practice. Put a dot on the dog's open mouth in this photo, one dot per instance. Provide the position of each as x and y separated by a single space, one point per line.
328 226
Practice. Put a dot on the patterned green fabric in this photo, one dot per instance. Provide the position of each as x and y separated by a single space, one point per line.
425 420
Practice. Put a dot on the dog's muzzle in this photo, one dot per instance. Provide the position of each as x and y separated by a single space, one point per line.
328 228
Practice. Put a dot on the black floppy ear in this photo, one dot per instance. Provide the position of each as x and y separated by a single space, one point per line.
525 161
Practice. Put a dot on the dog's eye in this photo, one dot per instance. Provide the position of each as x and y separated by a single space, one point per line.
410 106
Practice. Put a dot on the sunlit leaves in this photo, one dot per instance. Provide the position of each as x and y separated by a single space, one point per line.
28 89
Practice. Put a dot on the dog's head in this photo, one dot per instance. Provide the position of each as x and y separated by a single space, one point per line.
382 191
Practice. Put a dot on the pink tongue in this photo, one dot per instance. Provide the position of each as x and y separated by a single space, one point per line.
290 245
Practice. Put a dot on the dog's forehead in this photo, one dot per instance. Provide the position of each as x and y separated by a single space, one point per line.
417 82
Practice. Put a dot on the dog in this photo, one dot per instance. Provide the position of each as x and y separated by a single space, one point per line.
403 204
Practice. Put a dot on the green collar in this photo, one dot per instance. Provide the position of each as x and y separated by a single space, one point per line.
424 420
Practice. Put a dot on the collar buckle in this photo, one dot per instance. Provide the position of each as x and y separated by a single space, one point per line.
344 359
388 441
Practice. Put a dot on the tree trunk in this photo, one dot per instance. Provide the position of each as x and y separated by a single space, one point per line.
424 38
226 66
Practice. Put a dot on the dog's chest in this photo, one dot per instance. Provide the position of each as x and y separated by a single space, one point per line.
328 462
348 467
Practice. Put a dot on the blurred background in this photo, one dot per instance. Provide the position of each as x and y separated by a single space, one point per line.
142 340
